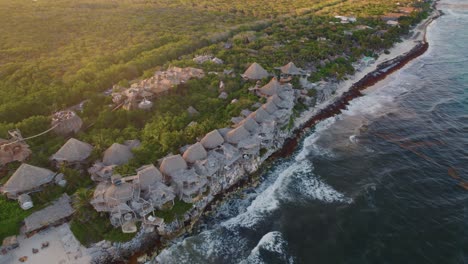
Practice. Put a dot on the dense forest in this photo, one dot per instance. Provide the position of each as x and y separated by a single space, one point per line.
58 54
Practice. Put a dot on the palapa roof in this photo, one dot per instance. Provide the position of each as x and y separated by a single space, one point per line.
255 72
277 100
121 193
212 140
50 215
260 115
73 150
270 107
249 124
171 164
27 177
236 135
117 154
271 88
149 175
194 153
291 69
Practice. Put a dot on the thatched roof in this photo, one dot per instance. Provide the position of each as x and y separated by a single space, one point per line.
270 107
278 101
148 175
231 154
117 154
291 69
50 215
236 135
27 177
194 153
255 72
212 140
117 194
73 151
249 124
246 112
171 164
160 194
271 88
260 115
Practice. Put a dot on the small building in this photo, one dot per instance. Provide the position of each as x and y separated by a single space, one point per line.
160 195
236 135
291 69
55 214
117 154
255 72
212 140
73 152
101 172
13 150
188 184
260 116
195 152
269 89
26 178
145 104
25 201
249 124
172 164
270 107
148 175
66 122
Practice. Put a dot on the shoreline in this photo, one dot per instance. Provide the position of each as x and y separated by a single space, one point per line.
400 54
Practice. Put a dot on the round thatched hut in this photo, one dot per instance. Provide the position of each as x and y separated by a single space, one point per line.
66 122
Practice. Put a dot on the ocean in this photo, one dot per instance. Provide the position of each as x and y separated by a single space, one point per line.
382 182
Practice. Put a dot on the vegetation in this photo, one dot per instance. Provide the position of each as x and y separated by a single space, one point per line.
57 55
11 216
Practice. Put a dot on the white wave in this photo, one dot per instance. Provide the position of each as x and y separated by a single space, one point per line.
272 242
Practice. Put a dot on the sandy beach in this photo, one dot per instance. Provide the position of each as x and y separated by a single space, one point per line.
63 248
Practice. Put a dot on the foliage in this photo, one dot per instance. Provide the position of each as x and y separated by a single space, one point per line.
177 211
11 216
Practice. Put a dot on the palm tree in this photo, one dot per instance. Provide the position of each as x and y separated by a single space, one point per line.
81 203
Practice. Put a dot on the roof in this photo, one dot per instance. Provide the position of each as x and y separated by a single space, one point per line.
212 140
260 115
270 107
27 177
117 154
271 87
149 175
249 124
160 194
52 214
195 152
73 150
255 72
291 69
121 193
236 135
171 164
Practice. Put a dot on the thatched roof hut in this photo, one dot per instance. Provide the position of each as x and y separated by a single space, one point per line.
117 154
255 72
13 151
61 209
195 152
117 194
270 107
73 151
160 194
291 69
66 122
271 88
149 175
236 135
171 164
212 140
278 101
26 178
260 116
249 124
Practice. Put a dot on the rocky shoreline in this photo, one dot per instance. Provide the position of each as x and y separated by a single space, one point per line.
142 243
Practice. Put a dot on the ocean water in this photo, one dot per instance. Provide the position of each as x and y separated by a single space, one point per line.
379 183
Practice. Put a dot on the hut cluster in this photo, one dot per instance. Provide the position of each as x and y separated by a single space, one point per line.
139 94
207 58
212 164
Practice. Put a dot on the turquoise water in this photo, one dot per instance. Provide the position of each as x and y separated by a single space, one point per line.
379 183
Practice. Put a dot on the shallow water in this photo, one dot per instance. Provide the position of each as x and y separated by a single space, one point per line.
379 183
